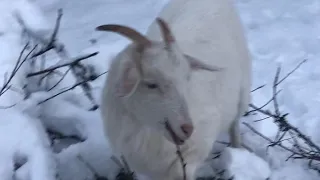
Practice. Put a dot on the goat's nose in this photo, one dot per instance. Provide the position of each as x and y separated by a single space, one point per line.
187 129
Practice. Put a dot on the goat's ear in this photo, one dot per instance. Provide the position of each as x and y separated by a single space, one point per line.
128 80
196 64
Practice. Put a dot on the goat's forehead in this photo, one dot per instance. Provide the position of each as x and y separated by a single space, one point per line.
153 53
159 61
162 73
162 66
159 57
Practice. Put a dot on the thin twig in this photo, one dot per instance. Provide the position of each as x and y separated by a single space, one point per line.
125 163
292 71
72 62
117 161
61 79
68 89
255 89
78 70
275 101
265 137
268 102
95 174
183 164
16 68
309 150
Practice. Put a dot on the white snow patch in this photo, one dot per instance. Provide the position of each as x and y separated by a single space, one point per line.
23 137
244 165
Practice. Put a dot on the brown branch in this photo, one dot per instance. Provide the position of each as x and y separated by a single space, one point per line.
61 79
70 88
125 171
256 109
183 164
309 151
258 88
71 62
49 44
117 161
16 68
78 70
57 26
275 84
292 71
95 174
7 107
6 83
272 143
125 163
261 119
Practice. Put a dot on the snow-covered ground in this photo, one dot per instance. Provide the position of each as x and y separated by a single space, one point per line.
279 32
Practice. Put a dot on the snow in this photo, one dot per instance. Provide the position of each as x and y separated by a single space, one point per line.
238 162
279 32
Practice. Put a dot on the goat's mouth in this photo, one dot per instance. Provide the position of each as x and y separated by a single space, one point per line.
176 139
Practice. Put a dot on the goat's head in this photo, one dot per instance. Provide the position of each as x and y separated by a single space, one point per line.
154 81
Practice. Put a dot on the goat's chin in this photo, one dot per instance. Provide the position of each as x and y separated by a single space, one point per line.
175 139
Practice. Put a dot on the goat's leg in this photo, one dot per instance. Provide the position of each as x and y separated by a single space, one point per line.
234 133
235 137
234 130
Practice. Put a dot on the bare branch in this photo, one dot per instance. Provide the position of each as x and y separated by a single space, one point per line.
258 88
49 43
64 75
78 70
16 68
308 150
285 77
256 109
183 164
275 101
95 174
71 62
125 171
68 89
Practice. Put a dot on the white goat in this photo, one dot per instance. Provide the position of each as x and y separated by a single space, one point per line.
193 72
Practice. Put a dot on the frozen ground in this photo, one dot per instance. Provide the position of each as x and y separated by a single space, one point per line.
284 32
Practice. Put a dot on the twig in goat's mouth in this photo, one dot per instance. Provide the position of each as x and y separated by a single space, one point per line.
178 142
174 136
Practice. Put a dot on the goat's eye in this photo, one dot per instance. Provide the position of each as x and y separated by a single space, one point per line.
151 85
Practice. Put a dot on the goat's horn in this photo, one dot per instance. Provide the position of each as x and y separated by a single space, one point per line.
166 32
128 32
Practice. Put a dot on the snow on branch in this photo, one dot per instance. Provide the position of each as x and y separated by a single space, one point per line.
50 43
82 83
6 85
70 62
302 146
34 52
83 74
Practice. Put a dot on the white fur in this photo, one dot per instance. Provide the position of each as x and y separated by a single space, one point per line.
209 30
